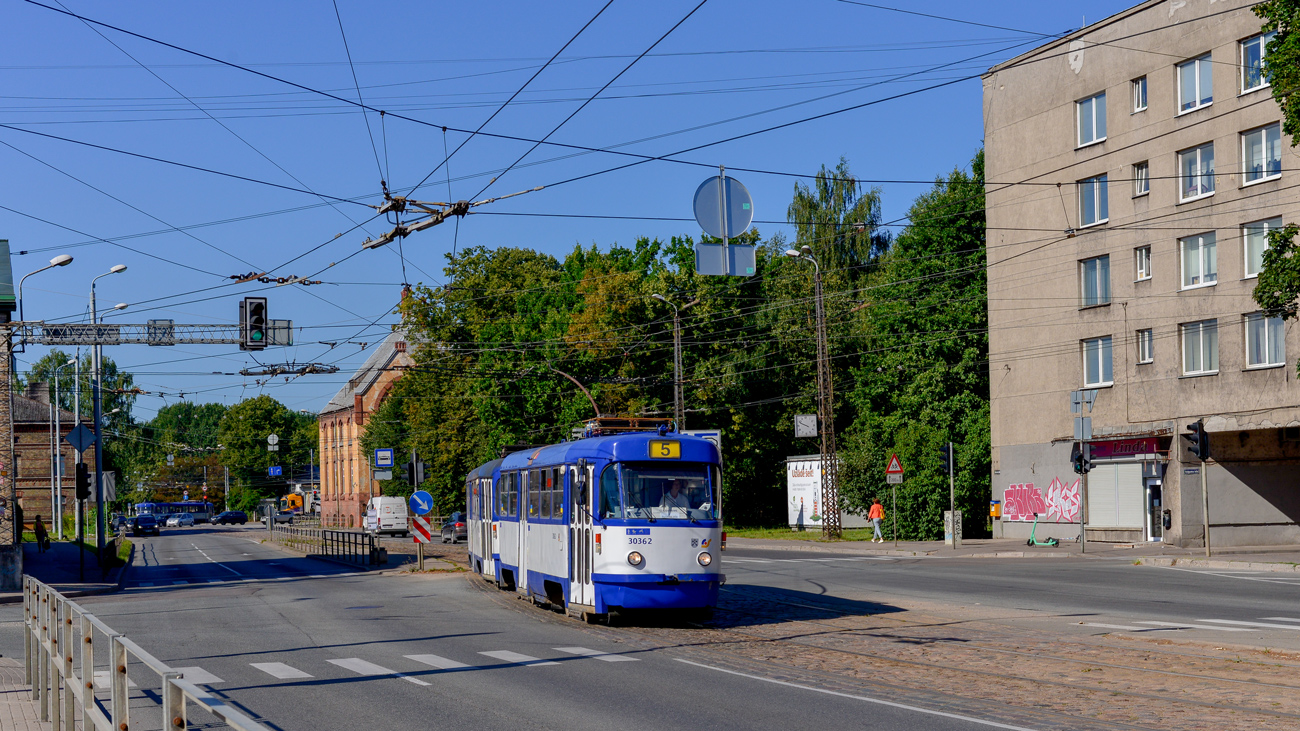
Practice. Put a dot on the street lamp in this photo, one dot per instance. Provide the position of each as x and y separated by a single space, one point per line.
679 407
826 404
57 454
61 260
98 416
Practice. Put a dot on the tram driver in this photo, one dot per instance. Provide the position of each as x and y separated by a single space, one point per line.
674 497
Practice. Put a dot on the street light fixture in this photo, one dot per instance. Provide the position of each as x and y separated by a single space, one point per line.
61 260
826 404
679 399
97 394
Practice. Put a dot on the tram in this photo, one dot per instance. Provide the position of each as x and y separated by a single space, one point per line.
627 517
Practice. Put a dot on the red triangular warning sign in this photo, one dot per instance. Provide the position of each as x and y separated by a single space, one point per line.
895 467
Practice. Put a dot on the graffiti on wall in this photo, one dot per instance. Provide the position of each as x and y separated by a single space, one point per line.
1060 502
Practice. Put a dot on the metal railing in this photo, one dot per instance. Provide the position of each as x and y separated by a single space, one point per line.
357 547
57 630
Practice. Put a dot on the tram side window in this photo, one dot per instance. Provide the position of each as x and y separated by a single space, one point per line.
510 496
503 489
611 502
557 492
534 493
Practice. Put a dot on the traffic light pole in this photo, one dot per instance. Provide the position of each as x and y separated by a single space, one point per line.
1083 512
1205 508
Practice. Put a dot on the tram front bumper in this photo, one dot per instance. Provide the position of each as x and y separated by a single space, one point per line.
656 591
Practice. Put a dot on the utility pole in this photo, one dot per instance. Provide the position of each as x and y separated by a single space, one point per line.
826 405
225 493
679 398
952 487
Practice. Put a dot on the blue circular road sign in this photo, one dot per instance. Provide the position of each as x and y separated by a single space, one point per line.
421 502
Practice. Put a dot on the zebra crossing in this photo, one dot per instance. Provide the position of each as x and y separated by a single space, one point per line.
1213 625
415 665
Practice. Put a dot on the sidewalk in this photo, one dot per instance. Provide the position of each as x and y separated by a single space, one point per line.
18 712
1247 558
59 567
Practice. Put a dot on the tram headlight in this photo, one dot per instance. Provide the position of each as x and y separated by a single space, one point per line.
635 558
705 558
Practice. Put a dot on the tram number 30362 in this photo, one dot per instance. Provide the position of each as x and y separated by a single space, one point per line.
639 540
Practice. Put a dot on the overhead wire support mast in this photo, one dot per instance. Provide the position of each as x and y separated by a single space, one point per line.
438 212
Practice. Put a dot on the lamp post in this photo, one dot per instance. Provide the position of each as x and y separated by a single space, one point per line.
100 524
826 404
57 505
61 260
679 399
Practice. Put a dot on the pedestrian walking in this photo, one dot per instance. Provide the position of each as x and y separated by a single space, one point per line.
42 535
876 515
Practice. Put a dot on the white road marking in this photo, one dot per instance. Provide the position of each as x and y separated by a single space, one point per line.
518 659
1281 619
596 654
1251 624
1115 626
361 667
279 670
436 661
1290 581
199 676
1186 625
102 680
213 560
877 701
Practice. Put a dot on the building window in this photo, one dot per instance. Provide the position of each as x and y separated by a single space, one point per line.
1140 94
1261 153
1200 260
1142 258
1096 362
1265 342
1093 206
1253 51
1146 346
1091 116
1196 172
1141 179
1256 240
1194 87
1095 281
1200 347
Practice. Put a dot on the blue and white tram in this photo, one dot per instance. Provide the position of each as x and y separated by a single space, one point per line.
622 521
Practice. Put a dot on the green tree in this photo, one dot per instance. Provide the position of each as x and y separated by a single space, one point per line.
243 432
1278 288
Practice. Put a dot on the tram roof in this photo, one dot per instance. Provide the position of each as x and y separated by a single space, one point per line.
483 470
627 447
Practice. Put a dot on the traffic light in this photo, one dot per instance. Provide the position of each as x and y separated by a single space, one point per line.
252 323
83 481
1198 440
414 473
1081 456
945 458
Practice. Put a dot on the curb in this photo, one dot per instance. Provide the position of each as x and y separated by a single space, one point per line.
1209 563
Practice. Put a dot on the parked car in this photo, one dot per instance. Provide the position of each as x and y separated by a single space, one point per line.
143 524
119 522
180 520
230 517
454 530
284 516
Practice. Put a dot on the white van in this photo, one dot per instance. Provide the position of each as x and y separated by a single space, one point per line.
387 515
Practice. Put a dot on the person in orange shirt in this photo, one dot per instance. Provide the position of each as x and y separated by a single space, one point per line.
876 515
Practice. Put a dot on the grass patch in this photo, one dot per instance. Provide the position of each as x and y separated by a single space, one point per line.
852 534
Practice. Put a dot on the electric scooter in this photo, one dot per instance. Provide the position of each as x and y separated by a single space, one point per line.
1035 542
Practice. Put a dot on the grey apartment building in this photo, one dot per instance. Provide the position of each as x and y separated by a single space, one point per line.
1134 169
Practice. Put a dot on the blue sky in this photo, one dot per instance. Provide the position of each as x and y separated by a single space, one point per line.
443 65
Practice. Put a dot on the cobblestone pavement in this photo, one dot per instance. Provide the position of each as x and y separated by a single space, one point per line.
17 710
998 665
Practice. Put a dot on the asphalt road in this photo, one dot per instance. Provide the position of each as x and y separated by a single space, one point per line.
304 644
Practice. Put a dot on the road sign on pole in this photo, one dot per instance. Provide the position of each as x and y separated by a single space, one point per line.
423 533
895 467
421 502
81 438
272 439
383 459
275 471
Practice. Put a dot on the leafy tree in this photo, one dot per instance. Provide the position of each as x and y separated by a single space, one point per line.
115 393
243 432
1278 288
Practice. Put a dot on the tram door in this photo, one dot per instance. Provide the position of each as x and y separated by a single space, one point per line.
581 590
491 542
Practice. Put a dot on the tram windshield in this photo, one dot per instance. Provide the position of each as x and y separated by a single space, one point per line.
668 492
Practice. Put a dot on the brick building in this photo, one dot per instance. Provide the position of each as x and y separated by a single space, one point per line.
33 428
345 475
1134 170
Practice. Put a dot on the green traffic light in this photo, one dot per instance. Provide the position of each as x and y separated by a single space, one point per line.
257 335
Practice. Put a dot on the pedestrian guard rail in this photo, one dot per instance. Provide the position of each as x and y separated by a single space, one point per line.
68 654
356 547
